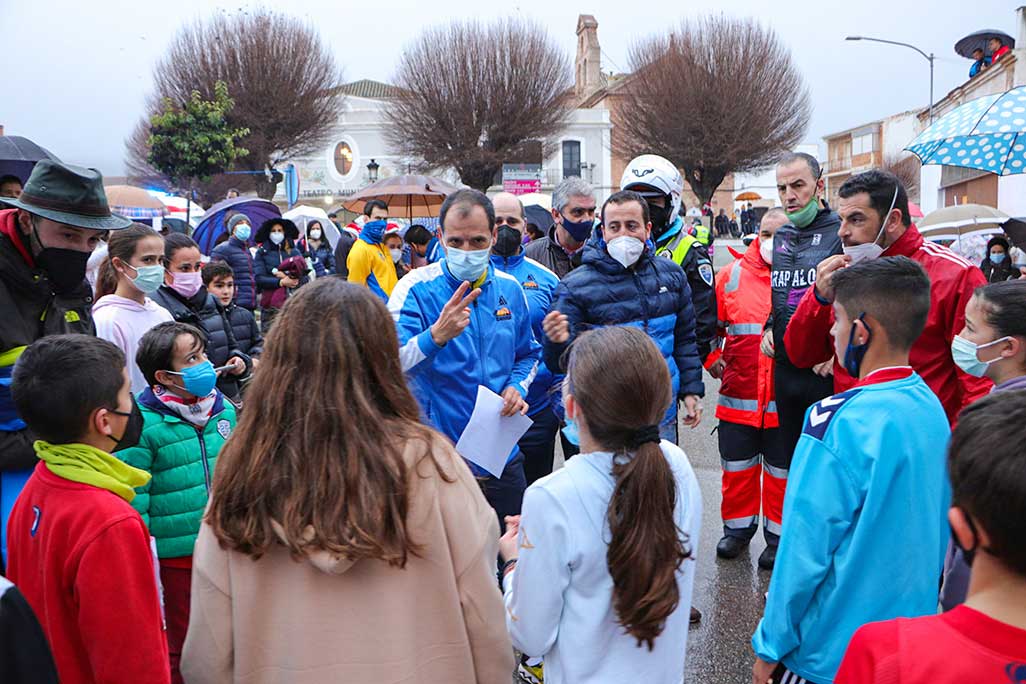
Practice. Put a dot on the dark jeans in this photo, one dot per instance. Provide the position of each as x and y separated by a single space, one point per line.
506 494
796 390
538 445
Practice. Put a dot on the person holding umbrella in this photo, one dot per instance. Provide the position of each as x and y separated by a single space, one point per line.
277 239
235 252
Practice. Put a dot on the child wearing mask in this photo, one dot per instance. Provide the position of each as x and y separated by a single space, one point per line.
79 553
992 345
123 312
865 513
189 302
983 640
220 282
316 248
186 421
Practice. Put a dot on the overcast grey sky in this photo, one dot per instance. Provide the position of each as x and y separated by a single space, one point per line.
77 73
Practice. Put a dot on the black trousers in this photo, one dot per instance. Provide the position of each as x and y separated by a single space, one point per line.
538 445
797 389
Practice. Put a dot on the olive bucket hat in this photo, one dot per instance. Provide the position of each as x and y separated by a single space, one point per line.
68 194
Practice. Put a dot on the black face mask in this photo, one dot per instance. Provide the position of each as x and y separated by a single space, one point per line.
65 268
507 241
660 217
133 428
968 554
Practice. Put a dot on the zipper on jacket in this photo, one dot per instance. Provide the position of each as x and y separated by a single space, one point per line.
203 452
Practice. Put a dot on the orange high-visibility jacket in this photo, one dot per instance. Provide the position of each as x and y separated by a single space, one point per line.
743 306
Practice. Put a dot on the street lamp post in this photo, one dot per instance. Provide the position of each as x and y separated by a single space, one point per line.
929 58
372 171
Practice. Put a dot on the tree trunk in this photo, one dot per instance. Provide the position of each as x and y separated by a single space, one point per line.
704 181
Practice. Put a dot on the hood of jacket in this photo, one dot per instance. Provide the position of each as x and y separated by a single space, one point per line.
325 561
9 227
113 301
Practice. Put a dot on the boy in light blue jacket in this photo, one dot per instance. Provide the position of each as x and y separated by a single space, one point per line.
865 514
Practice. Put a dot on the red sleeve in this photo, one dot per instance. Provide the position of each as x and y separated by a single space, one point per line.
119 614
971 388
807 338
872 656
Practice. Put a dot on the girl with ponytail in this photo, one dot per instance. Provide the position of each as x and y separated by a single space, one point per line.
598 571
130 273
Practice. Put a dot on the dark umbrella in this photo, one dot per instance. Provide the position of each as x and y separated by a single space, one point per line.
1015 229
978 41
539 216
213 224
18 155
264 231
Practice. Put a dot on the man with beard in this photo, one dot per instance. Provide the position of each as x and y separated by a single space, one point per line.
660 183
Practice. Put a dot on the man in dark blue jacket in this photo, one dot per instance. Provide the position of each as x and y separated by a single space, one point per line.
621 282
463 324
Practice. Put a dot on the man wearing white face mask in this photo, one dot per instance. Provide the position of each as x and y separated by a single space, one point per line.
463 323
875 222
621 282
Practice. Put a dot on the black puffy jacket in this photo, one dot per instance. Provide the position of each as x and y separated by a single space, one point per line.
236 254
203 311
245 328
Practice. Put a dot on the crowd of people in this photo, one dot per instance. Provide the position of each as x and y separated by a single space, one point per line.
242 468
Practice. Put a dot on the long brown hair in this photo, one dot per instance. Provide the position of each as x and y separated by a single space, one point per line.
320 444
621 383
120 244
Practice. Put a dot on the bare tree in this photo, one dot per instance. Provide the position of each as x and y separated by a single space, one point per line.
471 94
717 95
906 168
282 77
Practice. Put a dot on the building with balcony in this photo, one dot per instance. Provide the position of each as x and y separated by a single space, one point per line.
944 186
868 146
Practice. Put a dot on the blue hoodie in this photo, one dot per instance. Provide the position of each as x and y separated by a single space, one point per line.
497 350
865 523
539 284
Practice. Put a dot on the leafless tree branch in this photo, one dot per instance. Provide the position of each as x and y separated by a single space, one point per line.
716 95
472 93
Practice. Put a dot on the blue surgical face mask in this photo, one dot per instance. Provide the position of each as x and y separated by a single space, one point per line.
465 264
965 354
571 433
579 230
198 380
243 232
854 354
997 257
148 279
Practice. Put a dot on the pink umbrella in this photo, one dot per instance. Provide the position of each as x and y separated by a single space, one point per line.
914 211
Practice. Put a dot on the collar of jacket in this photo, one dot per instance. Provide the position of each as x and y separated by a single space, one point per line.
505 263
671 232
753 257
148 399
907 243
488 276
9 227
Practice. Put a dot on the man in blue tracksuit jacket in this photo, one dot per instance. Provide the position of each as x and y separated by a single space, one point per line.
539 285
453 338
621 282
865 514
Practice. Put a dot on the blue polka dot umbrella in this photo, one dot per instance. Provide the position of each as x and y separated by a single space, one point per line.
988 133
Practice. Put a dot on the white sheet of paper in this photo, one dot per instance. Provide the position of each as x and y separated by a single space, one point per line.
490 436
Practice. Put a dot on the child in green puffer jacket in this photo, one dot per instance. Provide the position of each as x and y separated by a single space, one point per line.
186 421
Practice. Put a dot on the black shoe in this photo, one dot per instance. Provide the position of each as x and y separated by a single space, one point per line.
696 616
731 547
768 557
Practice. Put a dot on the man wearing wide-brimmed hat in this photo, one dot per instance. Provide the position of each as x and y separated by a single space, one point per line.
45 242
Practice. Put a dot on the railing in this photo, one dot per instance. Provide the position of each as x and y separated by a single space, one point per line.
838 165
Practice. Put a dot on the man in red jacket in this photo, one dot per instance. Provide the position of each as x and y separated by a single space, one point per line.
875 222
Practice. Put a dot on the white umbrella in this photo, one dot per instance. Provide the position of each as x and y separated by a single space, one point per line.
961 219
539 198
303 214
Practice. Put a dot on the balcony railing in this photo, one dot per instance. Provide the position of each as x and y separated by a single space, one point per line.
838 165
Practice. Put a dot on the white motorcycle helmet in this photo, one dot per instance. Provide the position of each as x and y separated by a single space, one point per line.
657 173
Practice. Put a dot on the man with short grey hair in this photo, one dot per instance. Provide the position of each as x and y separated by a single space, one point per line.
573 210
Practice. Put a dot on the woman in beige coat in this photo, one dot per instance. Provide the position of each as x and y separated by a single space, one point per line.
345 541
